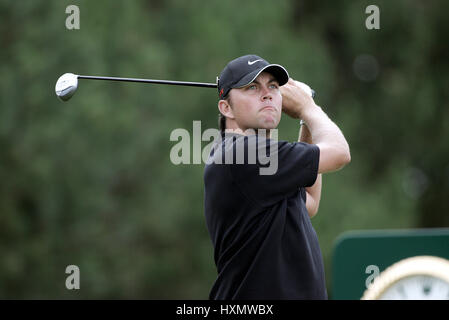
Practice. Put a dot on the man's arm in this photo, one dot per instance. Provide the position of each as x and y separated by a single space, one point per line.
313 193
334 150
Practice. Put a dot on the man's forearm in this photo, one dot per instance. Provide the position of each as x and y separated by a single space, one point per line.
313 193
328 137
334 150
322 128
304 134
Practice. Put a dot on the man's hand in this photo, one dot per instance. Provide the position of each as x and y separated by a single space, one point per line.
295 100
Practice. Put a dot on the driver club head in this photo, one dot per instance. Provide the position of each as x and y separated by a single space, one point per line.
66 86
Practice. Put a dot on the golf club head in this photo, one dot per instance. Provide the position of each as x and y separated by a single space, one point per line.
306 88
66 86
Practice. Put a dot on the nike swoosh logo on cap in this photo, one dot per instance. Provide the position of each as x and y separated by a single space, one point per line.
253 62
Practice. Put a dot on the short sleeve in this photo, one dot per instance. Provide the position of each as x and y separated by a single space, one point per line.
285 168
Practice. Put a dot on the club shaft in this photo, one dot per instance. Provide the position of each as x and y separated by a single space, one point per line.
176 83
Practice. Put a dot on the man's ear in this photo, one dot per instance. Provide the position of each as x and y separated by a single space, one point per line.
225 109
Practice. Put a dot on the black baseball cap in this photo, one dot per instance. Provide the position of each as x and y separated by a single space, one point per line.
243 70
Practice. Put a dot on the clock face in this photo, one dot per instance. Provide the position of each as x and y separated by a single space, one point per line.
419 287
414 278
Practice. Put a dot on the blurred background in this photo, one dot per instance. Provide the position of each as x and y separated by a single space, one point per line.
89 182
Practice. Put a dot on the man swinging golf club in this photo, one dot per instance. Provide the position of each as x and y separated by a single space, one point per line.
265 246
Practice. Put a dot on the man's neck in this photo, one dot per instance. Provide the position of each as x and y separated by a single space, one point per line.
250 131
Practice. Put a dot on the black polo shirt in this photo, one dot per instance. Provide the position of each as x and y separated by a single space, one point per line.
265 246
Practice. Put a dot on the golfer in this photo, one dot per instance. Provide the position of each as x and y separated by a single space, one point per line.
265 246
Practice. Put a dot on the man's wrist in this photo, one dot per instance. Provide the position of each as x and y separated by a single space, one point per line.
312 115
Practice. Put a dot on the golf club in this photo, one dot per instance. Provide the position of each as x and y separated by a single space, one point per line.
68 83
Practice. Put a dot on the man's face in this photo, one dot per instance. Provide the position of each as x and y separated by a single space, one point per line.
257 105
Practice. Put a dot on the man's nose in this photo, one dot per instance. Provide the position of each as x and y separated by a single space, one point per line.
266 94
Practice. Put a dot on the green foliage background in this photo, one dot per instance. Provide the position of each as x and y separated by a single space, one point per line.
89 182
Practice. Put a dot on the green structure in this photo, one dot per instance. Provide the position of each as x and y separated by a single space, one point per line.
359 255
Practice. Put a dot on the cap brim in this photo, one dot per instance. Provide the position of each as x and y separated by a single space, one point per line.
278 71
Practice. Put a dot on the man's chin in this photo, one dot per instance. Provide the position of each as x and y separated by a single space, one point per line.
269 124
